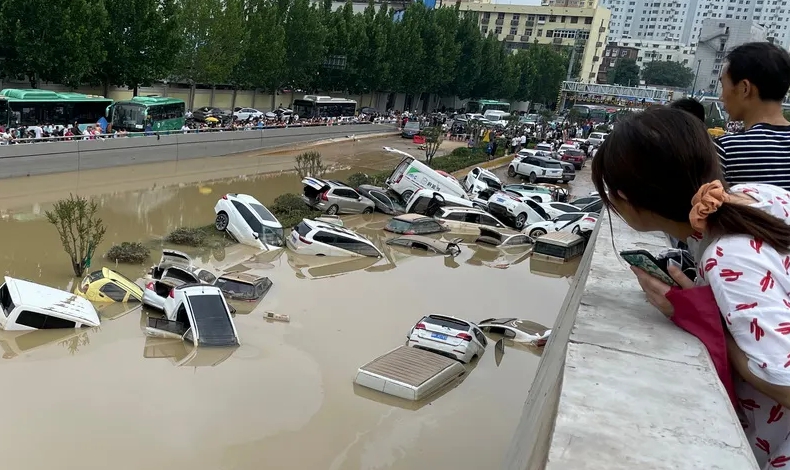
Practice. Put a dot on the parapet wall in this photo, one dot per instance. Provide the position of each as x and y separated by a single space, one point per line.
620 386
59 157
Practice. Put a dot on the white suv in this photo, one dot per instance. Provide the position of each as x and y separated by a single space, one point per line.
197 313
248 221
312 237
449 336
535 168
465 220
518 211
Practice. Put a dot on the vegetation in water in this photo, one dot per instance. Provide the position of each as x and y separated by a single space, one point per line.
310 164
79 228
128 252
202 237
290 209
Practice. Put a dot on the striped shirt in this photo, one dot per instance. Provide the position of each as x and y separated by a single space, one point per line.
759 155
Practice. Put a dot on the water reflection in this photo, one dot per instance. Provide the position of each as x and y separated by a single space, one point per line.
15 343
554 269
498 257
182 354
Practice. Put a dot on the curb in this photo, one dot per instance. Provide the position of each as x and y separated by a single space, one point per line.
488 165
316 143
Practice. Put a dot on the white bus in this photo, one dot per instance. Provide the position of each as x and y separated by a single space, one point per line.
314 106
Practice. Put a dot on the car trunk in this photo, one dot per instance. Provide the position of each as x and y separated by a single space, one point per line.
313 188
439 334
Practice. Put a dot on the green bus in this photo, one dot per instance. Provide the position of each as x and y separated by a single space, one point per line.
164 114
35 107
481 106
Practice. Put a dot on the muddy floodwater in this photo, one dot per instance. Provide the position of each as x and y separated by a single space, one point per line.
110 398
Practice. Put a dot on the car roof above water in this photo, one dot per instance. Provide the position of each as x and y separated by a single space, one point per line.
66 304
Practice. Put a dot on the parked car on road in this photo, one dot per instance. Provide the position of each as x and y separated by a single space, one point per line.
573 155
576 222
30 306
248 221
243 286
335 197
201 114
311 237
517 211
535 168
521 331
448 336
466 220
244 114
596 138
385 201
106 285
414 224
411 129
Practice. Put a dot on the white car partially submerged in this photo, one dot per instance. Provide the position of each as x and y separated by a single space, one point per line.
521 331
575 222
556 209
248 221
312 237
449 336
30 306
480 179
518 211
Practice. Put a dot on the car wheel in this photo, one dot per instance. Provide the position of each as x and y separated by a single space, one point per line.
538 232
533 178
511 172
406 195
221 222
368 210
577 230
521 220
332 209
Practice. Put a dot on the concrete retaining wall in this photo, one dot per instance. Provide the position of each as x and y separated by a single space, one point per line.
619 385
58 157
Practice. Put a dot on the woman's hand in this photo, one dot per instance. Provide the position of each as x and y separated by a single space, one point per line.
656 290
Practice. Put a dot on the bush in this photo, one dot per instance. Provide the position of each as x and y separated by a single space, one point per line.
358 179
459 159
379 178
132 253
288 202
79 228
290 219
187 236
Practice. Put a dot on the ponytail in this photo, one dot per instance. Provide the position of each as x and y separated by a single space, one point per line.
739 219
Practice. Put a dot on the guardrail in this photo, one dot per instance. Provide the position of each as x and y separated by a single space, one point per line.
77 155
620 386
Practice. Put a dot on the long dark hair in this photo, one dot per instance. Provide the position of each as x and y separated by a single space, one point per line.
659 158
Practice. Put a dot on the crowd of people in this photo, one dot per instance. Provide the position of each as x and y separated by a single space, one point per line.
726 202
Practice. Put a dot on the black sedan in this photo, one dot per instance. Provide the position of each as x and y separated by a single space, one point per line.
385 201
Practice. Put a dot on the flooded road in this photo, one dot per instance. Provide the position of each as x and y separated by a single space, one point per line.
285 398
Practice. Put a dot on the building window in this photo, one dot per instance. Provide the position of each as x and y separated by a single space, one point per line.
574 19
540 33
587 20
484 29
528 32
550 33
498 30
500 16
513 30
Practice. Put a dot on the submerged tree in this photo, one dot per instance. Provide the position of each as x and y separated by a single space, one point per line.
433 140
79 229
309 164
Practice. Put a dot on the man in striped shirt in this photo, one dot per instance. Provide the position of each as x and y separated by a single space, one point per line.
754 83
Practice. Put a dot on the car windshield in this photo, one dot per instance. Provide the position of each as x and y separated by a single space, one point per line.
446 322
412 125
574 152
398 226
264 213
235 289
273 236
551 164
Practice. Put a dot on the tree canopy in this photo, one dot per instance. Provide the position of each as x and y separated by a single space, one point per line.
625 72
667 73
272 45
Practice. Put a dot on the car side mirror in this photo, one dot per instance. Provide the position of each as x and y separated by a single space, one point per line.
255 235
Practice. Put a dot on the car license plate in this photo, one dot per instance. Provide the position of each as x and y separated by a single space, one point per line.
439 336
294 237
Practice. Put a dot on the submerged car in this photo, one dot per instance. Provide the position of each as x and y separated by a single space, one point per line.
535 192
556 209
576 222
491 236
449 336
522 331
466 220
334 197
243 286
516 210
248 221
479 179
414 224
157 290
385 201
107 285
312 237
30 306
175 264
429 245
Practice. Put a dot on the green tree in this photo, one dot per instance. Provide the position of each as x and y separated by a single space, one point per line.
542 69
59 41
263 57
433 140
667 73
79 228
304 44
491 68
624 72
408 53
142 37
470 41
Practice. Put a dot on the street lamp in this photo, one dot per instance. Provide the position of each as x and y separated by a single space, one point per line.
694 85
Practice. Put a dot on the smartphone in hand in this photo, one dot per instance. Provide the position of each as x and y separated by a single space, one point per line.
646 262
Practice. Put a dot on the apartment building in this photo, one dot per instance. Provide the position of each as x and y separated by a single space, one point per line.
772 15
584 26
611 55
655 20
717 38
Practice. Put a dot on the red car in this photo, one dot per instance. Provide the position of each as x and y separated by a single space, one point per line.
574 156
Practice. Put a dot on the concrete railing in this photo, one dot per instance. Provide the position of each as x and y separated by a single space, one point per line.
59 157
620 386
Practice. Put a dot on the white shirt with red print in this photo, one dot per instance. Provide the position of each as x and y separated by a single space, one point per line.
751 283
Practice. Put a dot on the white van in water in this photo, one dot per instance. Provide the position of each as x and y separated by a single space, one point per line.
411 175
26 305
